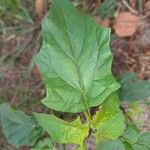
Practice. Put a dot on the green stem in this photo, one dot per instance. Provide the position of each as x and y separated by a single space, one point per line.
88 110
140 5
64 147
88 117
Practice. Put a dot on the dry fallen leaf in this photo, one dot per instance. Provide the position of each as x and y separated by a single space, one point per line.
147 8
39 8
126 24
133 3
104 23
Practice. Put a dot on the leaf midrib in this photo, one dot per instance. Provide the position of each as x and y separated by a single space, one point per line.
74 61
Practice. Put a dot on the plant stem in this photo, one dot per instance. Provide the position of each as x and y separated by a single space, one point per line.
87 109
127 115
64 147
140 5
87 116
89 119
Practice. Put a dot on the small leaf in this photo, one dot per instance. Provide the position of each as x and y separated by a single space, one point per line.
135 91
144 138
18 128
127 146
107 8
108 121
140 147
46 144
62 131
131 133
75 60
126 77
110 145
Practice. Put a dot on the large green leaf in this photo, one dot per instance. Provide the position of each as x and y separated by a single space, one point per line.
18 128
108 121
75 60
62 131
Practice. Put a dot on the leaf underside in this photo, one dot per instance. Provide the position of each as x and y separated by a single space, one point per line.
75 60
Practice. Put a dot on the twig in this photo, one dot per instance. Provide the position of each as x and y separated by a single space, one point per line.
125 113
125 3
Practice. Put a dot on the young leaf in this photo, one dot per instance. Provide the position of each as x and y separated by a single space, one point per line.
110 145
75 60
61 131
18 128
108 121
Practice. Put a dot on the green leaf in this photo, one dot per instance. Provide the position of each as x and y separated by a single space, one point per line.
75 60
18 128
107 8
126 77
110 145
131 133
127 146
144 138
140 147
62 131
136 141
108 121
135 91
46 144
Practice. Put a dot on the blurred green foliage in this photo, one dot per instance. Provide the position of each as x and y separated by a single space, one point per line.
107 8
133 89
15 8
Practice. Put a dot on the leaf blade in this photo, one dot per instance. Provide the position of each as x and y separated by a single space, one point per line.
135 91
110 145
18 128
108 121
62 131
74 60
